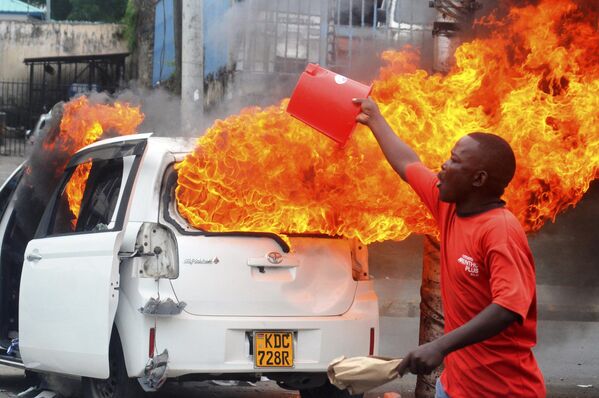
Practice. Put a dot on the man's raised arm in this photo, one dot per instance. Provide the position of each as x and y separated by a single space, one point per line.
397 152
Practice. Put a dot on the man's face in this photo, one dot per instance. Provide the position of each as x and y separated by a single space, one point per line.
457 174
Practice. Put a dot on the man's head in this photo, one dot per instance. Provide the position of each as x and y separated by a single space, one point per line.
481 164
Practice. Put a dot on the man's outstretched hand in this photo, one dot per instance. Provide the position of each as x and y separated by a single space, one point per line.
369 111
397 152
423 360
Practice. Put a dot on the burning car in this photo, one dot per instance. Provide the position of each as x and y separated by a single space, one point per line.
147 265
118 288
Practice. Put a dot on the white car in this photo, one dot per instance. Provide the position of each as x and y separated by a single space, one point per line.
131 295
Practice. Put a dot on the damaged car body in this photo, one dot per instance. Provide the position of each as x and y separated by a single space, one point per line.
127 295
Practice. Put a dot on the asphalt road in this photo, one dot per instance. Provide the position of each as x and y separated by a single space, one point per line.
568 353
13 382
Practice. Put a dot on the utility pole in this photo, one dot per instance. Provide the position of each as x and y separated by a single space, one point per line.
48 10
192 65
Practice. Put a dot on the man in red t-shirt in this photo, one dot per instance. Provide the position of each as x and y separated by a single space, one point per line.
487 270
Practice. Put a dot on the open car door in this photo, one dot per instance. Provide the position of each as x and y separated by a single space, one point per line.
70 281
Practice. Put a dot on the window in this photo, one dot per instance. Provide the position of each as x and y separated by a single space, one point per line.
361 12
88 200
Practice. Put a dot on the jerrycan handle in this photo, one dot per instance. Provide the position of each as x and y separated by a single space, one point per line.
312 69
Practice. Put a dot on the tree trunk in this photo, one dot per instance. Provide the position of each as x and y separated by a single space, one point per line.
143 54
431 311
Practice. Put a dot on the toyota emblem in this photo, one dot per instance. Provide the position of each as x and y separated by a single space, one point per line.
274 257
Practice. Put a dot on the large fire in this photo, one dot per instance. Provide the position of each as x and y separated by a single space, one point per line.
535 82
83 123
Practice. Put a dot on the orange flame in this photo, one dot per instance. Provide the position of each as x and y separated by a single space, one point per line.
84 123
75 189
262 170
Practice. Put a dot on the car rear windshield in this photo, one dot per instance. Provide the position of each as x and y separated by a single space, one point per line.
171 214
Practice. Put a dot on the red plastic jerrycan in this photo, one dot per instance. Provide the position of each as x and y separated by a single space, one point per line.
323 99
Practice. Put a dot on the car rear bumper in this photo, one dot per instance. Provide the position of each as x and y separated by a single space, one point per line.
215 345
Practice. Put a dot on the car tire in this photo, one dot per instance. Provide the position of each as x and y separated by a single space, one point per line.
327 390
118 384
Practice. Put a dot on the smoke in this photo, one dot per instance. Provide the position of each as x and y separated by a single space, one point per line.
161 109
260 76
272 42
244 29
44 169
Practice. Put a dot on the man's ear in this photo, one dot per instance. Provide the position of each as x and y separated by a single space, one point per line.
480 178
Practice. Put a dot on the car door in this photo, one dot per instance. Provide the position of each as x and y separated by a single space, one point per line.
69 285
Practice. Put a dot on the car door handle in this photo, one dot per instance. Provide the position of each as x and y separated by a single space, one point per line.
33 257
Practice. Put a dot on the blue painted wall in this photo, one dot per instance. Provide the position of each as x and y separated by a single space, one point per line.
164 42
216 49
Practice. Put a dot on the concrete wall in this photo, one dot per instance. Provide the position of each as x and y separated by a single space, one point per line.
25 39
15 17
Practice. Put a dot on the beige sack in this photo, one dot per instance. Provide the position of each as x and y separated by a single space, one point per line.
360 374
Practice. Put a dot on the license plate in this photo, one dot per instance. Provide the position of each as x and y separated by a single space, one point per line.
273 349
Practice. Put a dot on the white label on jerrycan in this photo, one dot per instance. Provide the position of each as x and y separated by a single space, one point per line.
340 79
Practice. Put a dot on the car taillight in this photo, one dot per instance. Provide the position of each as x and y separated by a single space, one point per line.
156 255
371 350
152 342
359 254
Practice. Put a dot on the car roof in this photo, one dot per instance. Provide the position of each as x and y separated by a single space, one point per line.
171 144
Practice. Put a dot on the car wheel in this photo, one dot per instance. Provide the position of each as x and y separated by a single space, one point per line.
327 390
118 384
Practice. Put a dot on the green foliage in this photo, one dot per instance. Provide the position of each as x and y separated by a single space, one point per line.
86 10
97 10
60 9
130 22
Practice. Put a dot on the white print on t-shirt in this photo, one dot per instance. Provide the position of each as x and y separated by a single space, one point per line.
469 265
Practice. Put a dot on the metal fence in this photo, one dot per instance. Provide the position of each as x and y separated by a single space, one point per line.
15 117
12 140
276 39
282 36
364 28
14 103
23 106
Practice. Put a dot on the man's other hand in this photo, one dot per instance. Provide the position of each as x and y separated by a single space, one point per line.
369 111
423 360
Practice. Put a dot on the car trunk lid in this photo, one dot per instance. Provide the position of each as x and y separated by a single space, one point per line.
232 275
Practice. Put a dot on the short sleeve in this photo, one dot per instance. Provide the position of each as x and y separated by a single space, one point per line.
424 183
512 278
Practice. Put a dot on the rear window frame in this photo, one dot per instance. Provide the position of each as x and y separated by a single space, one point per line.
167 201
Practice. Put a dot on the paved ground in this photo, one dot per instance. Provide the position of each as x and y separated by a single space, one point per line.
568 353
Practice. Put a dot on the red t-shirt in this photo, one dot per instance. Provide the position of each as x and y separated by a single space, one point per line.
485 258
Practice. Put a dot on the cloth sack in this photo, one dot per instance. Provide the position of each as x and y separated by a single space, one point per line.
360 374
